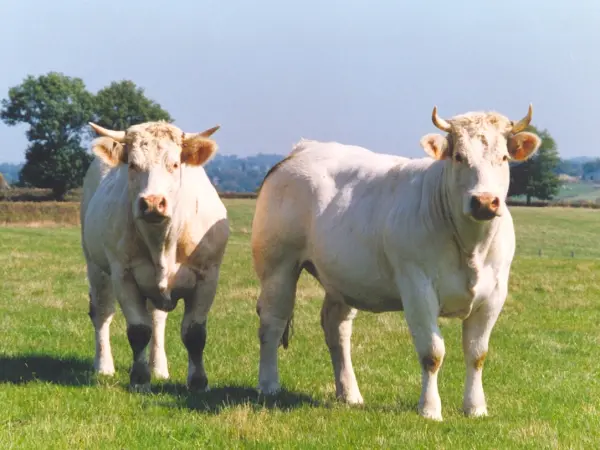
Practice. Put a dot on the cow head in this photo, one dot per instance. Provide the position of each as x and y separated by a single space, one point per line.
154 153
478 147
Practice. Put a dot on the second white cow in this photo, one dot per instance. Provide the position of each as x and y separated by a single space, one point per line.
432 237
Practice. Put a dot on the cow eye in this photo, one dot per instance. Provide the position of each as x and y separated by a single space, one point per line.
505 158
176 165
458 158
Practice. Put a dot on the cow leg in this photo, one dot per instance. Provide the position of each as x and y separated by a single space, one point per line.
336 320
476 335
274 307
158 356
421 310
101 312
193 329
139 326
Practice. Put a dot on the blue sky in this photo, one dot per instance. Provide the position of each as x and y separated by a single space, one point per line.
359 72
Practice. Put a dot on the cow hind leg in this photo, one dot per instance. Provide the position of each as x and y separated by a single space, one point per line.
158 355
101 312
274 307
336 320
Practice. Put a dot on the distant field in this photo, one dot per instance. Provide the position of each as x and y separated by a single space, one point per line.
579 191
542 376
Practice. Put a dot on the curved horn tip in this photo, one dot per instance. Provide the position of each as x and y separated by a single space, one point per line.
209 132
440 123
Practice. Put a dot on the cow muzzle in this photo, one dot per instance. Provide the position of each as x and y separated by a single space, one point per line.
485 206
153 208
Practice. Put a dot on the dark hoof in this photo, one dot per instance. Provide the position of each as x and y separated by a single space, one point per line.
198 384
140 374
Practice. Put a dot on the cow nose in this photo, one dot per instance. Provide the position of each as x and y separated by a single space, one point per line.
484 206
153 204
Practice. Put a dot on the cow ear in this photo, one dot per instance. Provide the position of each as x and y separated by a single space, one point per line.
522 146
198 150
110 151
436 146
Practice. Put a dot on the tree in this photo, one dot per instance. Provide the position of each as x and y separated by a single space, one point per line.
537 177
56 108
123 104
591 167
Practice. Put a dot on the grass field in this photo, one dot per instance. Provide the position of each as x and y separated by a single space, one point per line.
542 376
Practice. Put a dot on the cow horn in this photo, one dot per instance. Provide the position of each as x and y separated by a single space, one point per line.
439 122
118 136
205 133
524 122
210 131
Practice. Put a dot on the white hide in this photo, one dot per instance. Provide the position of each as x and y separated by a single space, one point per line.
120 264
380 233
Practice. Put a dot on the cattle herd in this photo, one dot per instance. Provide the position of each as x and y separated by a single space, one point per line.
432 237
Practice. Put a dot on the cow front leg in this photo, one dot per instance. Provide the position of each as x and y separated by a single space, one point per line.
139 327
421 309
476 332
336 321
158 355
193 330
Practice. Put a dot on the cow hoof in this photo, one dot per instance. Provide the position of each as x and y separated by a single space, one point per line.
160 374
475 411
198 384
105 369
140 388
352 399
269 388
107 372
140 375
431 415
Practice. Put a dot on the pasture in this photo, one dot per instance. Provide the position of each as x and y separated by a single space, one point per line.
541 378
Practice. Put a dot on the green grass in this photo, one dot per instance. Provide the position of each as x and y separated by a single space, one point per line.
542 376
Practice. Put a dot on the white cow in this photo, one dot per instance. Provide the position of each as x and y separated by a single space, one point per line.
154 230
431 236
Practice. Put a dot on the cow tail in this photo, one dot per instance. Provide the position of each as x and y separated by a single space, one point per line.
287 333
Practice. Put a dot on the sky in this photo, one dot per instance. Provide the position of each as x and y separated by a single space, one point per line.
358 72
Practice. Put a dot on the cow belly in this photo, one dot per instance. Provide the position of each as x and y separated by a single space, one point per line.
375 305
359 296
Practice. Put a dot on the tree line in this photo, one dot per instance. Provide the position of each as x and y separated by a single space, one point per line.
57 109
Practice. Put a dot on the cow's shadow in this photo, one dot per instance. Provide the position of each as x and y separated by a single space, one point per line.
66 371
222 397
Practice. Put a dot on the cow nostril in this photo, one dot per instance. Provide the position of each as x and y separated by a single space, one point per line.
475 202
162 205
495 203
143 205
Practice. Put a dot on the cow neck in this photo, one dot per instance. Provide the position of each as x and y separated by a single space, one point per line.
473 239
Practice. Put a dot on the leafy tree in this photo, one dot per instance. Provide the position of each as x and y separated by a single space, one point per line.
123 104
537 177
591 167
56 107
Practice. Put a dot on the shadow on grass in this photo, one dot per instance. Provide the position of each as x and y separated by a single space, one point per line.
65 371
221 397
